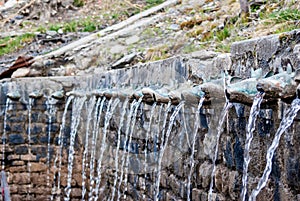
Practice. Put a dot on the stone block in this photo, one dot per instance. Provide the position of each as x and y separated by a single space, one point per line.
41 190
13 189
16 139
198 195
28 157
204 174
23 149
13 157
38 167
76 193
15 169
54 128
17 128
18 163
42 197
21 178
39 179
16 119
16 197
36 129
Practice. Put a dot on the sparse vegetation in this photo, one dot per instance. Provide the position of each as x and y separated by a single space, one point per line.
285 15
151 3
78 3
9 44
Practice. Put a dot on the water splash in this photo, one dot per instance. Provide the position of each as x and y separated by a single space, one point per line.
51 112
285 123
97 118
89 107
59 153
192 161
8 101
163 147
249 136
108 116
226 108
124 146
146 146
124 109
76 114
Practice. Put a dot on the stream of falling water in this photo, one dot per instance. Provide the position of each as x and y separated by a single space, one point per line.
76 115
29 145
124 109
56 191
108 116
249 136
51 112
192 161
89 108
161 138
146 146
164 143
8 101
226 108
97 118
129 144
129 118
285 123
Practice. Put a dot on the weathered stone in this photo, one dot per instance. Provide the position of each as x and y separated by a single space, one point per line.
20 178
42 190
132 39
38 167
76 192
18 163
28 157
116 49
205 174
13 157
21 72
22 168
40 179
16 139
17 197
21 149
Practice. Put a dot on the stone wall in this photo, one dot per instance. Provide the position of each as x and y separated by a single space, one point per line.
269 53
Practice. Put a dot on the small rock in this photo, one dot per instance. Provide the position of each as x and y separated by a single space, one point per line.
116 49
132 39
51 33
174 27
19 17
60 31
21 72
124 60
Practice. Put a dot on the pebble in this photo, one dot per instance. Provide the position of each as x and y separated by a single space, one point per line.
116 49
132 39
51 33
174 27
60 31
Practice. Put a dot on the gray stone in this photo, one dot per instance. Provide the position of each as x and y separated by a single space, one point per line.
21 72
117 49
124 60
51 33
174 27
131 40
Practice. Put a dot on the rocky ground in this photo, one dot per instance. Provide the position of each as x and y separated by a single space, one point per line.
178 28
